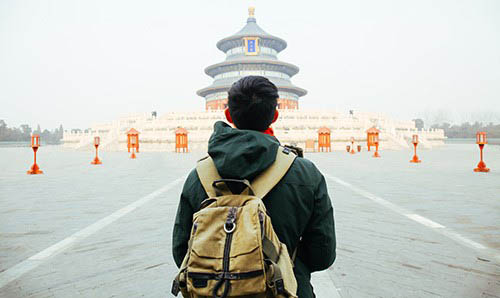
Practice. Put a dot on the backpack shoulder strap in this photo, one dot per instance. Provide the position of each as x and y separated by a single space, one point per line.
265 181
207 172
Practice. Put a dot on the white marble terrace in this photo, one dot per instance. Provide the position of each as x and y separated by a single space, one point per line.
293 127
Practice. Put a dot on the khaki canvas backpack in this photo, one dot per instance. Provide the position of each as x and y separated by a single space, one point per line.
233 250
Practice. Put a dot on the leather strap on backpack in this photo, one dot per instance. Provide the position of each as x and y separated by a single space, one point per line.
207 172
262 184
268 179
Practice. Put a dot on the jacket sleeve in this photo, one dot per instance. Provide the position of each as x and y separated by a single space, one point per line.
318 244
184 218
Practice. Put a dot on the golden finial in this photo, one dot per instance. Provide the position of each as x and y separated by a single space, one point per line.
251 11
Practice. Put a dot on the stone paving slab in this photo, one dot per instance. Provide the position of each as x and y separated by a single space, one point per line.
443 187
38 211
383 254
380 252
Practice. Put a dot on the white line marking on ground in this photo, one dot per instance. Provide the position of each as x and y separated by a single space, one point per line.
425 221
458 237
420 219
36 260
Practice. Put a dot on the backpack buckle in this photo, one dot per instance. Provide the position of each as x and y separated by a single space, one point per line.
280 286
230 223
175 287
229 227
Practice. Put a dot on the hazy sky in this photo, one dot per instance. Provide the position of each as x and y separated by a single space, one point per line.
77 62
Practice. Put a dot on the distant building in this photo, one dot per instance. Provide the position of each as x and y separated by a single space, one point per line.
251 51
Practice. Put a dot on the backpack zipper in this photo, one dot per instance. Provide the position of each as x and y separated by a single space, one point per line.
231 219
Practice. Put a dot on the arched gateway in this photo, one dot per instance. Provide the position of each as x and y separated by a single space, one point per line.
251 51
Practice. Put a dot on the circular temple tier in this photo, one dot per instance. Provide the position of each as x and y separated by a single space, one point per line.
251 51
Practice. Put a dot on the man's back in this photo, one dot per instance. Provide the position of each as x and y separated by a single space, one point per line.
298 205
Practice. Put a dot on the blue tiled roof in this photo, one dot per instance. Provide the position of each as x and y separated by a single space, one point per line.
251 29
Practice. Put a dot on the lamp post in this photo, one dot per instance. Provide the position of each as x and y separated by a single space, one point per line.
96 161
481 141
352 146
414 140
35 144
376 142
133 143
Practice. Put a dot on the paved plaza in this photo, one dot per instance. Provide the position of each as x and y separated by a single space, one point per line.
403 230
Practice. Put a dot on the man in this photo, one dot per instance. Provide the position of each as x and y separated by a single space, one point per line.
299 206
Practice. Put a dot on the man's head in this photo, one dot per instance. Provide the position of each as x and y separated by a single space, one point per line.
252 103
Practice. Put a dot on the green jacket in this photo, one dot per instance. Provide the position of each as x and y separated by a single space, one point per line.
299 205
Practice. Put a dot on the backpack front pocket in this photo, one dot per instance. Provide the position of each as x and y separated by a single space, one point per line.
226 252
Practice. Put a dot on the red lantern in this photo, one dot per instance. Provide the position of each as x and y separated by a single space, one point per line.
133 142
376 142
414 140
35 144
96 161
35 141
352 146
481 138
481 141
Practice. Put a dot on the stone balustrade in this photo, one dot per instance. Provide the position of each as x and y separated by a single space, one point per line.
293 126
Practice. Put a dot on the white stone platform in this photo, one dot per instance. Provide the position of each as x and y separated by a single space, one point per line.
293 127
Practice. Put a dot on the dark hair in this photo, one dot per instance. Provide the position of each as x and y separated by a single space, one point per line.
252 101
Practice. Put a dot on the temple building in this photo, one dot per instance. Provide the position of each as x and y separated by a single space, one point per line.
251 51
